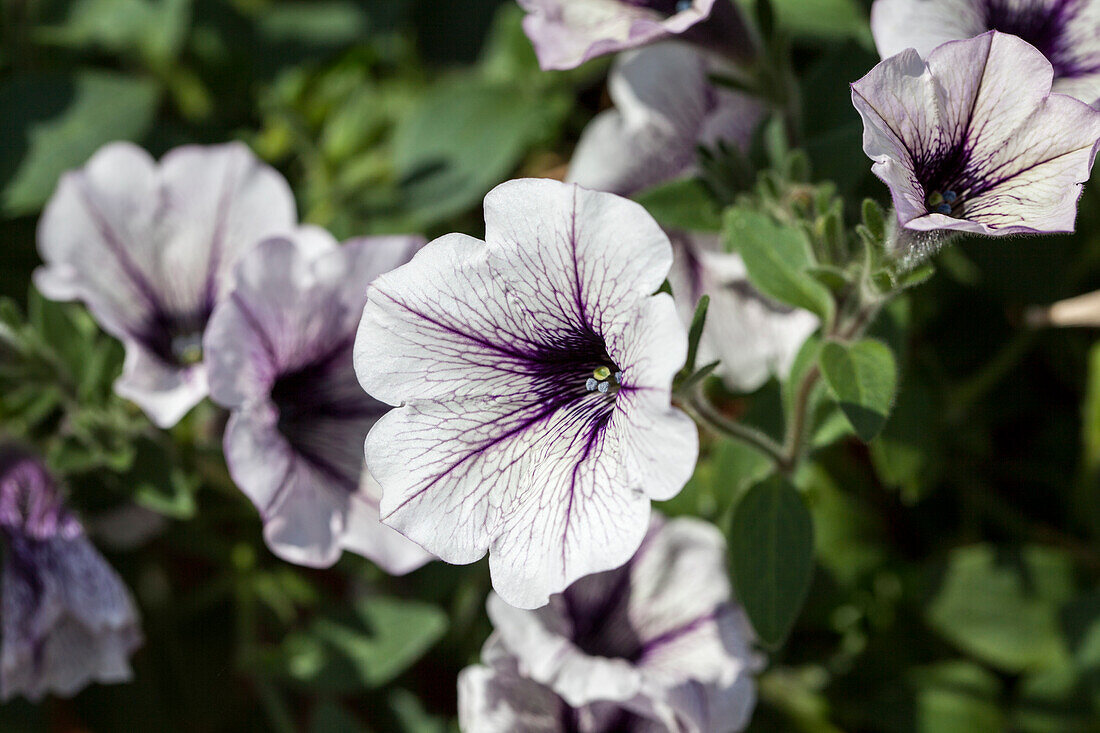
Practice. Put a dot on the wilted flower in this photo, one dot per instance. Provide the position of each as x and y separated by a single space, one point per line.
150 249
67 618
753 336
654 645
279 350
1067 32
533 372
973 140
665 108
566 33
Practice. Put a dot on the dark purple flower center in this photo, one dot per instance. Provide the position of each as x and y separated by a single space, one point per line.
664 7
573 369
325 415
950 178
175 339
619 720
1045 26
599 620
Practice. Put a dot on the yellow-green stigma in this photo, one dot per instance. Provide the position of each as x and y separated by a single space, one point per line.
601 373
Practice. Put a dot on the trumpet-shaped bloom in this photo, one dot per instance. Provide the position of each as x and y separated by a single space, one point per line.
66 616
533 373
751 335
279 350
973 141
566 33
665 107
150 249
655 645
1067 32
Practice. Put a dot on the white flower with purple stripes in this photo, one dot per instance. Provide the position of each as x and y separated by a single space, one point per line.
150 248
566 33
973 140
533 374
1067 32
279 351
656 645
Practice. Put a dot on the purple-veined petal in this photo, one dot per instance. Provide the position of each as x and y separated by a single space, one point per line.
498 444
566 33
280 357
1065 31
150 247
657 637
665 106
977 125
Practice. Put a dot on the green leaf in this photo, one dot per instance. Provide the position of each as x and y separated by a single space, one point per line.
391 634
698 321
957 697
685 203
864 378
1004 609
771 556
155 29
55 122
778 261
466 136
822 19
874 218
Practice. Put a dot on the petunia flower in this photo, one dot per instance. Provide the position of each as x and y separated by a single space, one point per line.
751 335
654 645
67 618
665 108
533 373
279 351
1067 32
566 33
150 249
973 140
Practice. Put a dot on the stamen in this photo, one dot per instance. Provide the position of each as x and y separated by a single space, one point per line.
943 209
618 377
603 387
683 5
950 196
591 384
187 348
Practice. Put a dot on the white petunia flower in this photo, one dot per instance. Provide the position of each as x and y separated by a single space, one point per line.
533 373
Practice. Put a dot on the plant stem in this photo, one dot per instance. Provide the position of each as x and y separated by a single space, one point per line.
698 407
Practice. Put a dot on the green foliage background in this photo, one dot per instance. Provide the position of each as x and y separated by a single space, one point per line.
956 554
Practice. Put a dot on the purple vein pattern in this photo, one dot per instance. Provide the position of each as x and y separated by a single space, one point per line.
751 335
566 33
656 645
533 373
1067 32
67 618
665 107
279 351
973 140
150 249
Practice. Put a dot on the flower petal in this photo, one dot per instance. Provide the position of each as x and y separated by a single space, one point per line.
151 247
752 336
566 33
901 24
